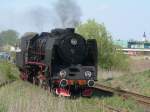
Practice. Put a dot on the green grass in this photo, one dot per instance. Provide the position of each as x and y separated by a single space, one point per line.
8 71
139 82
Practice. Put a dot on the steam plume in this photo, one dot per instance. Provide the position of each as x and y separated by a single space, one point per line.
68 13
40 17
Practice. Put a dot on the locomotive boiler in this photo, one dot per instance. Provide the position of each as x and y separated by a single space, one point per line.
61 60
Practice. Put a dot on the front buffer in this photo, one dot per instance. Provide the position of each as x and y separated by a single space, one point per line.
74 87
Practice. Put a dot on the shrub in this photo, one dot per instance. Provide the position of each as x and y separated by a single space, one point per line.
108 55
8 70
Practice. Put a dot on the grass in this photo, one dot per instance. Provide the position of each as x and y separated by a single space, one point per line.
8 71
136 82
24 97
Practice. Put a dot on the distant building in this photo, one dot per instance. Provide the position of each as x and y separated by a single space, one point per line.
138 45
133 47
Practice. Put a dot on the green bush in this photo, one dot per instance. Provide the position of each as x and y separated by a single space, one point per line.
8 70
109 56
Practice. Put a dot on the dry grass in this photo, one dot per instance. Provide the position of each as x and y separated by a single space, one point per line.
137 82
136 79
139 65
103 74
24 97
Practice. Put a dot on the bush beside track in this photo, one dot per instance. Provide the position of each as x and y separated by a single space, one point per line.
8 71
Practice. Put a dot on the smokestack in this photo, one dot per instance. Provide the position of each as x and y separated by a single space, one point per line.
68 13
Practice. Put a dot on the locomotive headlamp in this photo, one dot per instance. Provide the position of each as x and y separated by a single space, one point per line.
91 83
62 73
74 41
63 83
88 73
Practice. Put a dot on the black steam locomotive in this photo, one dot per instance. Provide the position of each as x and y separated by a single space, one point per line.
61 60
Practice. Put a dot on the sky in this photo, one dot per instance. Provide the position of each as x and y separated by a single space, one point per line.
124 19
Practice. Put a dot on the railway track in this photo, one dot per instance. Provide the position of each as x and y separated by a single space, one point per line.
141 99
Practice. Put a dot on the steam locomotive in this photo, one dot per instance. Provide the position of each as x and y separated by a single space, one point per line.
61 60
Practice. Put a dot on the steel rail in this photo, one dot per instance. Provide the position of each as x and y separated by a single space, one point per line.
145 100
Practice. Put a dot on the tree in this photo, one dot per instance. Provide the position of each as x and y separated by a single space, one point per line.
9 37
108 56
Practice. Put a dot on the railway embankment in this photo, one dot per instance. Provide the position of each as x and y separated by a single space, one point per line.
134 82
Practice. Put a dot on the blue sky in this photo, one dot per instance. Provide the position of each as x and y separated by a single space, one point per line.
124 19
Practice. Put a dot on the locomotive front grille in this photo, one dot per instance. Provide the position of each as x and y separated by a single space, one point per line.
74 70
76 73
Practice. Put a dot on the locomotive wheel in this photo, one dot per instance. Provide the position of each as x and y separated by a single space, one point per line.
30 78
